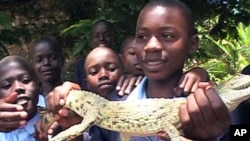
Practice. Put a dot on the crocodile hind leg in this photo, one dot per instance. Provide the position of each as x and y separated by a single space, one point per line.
172 132
125 137
74 131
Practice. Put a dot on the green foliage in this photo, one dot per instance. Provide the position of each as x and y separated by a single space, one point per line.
81 31
5 21
233 56
223 41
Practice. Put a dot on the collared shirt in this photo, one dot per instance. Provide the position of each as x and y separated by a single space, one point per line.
27 132
41 101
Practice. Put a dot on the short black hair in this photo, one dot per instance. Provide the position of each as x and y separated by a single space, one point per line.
21 60
55 44
109 24
175 4
125 42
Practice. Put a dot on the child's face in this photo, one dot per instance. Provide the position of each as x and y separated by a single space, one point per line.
130 62
162 41
16 78
102 34
48 64
103 70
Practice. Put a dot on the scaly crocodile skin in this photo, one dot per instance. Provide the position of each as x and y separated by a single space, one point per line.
141 117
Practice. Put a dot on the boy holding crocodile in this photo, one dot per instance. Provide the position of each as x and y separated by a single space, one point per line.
163 43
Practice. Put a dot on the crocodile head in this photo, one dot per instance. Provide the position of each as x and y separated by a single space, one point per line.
235 91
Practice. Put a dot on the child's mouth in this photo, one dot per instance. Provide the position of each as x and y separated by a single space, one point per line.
22 100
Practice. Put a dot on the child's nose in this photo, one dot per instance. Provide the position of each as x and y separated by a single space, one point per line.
103 74
101 37
19 87
153 44
46 61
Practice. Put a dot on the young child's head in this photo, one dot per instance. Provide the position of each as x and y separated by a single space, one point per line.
103 32
130 62
18 76
48 59
164 38
103 68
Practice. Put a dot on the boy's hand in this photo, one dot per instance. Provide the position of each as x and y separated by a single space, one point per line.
204 116
57 97
127 83
12 115
40 134
190 80
55 102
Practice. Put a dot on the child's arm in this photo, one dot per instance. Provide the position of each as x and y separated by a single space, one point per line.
190 80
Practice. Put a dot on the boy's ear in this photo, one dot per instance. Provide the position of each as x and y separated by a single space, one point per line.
194 44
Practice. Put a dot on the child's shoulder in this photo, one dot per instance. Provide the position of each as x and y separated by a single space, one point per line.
246 70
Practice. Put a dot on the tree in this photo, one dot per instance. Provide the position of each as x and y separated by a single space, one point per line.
70 21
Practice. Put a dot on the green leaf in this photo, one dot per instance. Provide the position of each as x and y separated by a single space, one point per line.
5 20
83 27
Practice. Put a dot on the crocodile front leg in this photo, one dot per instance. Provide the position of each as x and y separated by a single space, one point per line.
125 137
74 130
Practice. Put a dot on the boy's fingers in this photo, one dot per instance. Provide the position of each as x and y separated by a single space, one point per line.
185 118
131 85
120 82
13 115
11 98
65 89
139 79
123 87
190 83
10 107
194 87
203 84
178 91
53 127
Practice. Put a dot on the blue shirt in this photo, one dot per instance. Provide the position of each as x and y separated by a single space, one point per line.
240 115
27 132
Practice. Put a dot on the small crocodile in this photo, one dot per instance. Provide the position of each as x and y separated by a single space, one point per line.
141 117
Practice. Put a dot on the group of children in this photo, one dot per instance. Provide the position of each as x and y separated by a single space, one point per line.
152 61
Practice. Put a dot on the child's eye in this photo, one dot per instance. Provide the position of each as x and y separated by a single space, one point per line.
93 71
5 85
112 67
167 36
96 35
108 35
38 59
131 53
54 57
141 37
26 80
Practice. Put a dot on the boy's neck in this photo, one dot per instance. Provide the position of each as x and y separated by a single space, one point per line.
163 88
32 114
